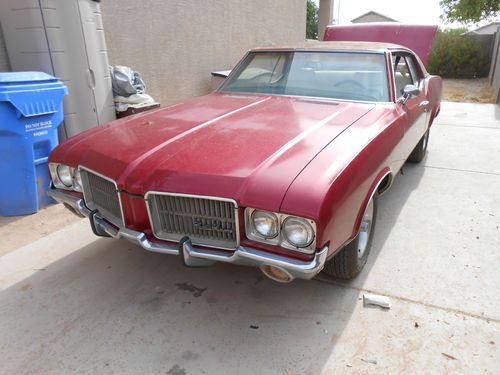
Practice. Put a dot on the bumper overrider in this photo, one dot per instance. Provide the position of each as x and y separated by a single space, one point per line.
278 268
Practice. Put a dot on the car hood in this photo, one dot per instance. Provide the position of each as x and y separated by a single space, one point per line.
246 147
387 32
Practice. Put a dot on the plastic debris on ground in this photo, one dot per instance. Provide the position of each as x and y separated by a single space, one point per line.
376 300
372 361
449 356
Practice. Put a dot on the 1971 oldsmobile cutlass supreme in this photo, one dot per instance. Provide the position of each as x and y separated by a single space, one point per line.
280 168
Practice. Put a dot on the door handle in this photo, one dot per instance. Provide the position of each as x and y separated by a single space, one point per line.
424 103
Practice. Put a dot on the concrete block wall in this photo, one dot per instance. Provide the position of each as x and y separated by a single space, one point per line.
176 44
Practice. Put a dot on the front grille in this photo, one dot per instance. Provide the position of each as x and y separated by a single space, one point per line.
207 222
101 194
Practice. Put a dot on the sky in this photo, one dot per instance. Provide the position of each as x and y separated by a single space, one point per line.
426 12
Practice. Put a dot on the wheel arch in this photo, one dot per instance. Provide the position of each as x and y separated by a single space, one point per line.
381 183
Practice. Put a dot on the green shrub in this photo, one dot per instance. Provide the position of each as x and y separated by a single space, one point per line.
312 20
454 55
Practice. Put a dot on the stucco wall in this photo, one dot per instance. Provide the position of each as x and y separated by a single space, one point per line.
176 44
4 59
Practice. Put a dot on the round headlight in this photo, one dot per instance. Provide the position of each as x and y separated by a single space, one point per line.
77 180
265 223
64 175
298 232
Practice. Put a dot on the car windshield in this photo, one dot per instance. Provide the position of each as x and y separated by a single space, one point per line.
337 75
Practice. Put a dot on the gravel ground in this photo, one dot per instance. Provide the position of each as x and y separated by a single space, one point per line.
467 90
17 231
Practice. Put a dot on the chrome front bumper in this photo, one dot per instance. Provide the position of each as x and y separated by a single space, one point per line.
197 257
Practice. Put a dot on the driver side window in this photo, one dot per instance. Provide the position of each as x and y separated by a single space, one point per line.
402 75
413 70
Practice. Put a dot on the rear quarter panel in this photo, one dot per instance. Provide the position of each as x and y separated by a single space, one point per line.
434 88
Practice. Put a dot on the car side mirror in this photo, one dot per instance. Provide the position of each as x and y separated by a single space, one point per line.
409 91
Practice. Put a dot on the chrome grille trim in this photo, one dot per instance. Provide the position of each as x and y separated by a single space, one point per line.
172 217
101 193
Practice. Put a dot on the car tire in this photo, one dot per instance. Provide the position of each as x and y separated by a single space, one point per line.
349 261
418 153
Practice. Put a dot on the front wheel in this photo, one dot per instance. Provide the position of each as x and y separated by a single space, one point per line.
349 261
418 153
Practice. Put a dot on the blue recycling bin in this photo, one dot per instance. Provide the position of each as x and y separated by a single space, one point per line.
30 113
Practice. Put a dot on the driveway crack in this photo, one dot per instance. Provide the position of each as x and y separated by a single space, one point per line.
459 170
409 300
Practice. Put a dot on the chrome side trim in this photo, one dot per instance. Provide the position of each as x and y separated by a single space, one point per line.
107 179
246 256
312 98
236 216
393 74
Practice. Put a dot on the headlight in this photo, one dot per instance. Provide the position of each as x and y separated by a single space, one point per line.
265 223
77 180
277 229
298 232
64 175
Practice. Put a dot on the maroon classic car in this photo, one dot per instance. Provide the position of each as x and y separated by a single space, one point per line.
280 168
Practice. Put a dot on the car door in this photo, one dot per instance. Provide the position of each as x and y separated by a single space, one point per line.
415 107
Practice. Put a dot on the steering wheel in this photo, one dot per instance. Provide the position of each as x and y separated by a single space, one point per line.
350 82
265 74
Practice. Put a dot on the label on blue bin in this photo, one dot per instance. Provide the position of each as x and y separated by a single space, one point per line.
38 128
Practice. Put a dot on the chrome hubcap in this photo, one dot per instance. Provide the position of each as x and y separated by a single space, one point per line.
365 230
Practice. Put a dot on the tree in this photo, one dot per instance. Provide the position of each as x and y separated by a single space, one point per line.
312 20
469 11
454 55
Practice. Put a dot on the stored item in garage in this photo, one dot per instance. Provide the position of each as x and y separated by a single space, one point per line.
129 92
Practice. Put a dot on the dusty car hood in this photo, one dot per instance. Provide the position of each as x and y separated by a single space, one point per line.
246 147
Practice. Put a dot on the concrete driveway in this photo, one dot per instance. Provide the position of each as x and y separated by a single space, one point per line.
72 303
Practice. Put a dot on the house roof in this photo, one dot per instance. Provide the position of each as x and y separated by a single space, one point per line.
477 30
372 12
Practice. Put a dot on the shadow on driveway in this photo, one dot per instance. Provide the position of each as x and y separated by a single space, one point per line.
111 307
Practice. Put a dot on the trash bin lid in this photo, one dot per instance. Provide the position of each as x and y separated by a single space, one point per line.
32 93
25 77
